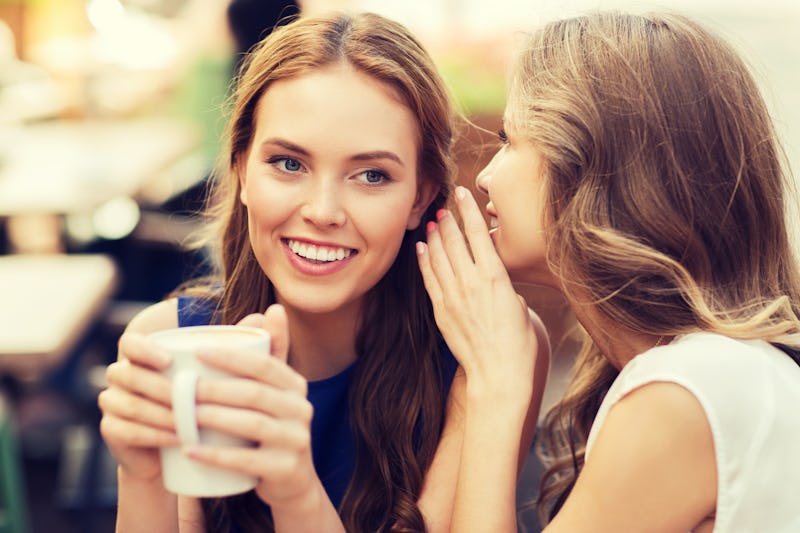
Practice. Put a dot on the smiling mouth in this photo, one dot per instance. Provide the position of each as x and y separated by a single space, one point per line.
318 254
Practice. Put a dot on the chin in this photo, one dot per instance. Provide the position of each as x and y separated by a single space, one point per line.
532 276
316 302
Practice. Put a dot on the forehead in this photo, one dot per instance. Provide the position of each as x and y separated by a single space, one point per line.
338 105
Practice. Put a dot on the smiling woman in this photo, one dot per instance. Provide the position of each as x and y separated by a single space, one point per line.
311 196
339 153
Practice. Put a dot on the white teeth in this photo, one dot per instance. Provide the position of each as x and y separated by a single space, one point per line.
318 253
492 222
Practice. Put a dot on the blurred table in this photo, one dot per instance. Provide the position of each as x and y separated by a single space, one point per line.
57 168
48 303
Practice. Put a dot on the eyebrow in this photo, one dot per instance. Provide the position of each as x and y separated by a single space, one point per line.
365 156
285 144
378 154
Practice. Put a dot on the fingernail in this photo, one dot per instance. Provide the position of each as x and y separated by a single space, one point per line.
420 248
461 192
431 226
440 214
193 450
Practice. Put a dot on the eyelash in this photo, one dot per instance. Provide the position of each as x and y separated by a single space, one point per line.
501 134
385 178
276 160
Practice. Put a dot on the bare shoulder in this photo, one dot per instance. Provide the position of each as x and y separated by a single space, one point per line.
162 315
542 336
652 467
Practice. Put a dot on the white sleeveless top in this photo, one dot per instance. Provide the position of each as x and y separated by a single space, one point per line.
750 392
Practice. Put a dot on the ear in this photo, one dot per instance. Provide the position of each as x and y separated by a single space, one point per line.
426 192
240 164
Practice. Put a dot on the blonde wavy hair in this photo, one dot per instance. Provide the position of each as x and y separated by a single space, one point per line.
666 197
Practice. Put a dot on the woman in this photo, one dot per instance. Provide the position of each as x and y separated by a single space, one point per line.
340 140
640 175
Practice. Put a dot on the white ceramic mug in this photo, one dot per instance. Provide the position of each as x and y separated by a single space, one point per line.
181 474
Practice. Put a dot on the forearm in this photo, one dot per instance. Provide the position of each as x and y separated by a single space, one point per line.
145 506
486 490
312 513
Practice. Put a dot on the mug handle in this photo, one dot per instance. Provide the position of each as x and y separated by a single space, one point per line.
184 388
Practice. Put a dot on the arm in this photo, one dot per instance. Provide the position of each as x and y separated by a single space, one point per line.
505 353
652 468
438 492
497 438
494 447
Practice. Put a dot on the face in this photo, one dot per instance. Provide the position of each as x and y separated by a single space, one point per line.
330 185
513 180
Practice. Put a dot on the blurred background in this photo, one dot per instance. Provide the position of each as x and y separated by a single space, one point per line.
110 117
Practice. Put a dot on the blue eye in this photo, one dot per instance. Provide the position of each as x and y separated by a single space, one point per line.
501 134
372 177
292 165
286 164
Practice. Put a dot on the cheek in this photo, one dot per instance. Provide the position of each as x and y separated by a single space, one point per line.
383 223
387 221
266 206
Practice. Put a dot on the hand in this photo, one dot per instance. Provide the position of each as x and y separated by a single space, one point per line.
137 418
265 403
484 321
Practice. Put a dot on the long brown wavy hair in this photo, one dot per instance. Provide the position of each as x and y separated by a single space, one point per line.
397 396
666 197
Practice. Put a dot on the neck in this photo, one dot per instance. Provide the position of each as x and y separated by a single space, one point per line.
617 344
322 345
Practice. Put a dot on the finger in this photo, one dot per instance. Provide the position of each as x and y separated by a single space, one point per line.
255 320
455 245
279 464
122 404
428 277
250 394
440 263
119 430
135 347
144 381
276 322
477 234
252 425
257 366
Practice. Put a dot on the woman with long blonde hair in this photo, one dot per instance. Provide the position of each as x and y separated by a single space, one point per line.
641 176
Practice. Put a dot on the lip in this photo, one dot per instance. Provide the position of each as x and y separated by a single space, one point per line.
493 222
313 268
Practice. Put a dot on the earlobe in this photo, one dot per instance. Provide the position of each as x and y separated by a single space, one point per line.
426 192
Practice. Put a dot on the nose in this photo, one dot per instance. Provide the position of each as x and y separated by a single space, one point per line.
484 176
322 206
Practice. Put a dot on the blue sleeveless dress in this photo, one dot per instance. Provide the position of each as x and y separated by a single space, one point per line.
332 443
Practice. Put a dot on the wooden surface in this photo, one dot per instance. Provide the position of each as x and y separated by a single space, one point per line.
64 167
48 302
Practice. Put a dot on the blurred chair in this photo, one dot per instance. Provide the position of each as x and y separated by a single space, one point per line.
13 502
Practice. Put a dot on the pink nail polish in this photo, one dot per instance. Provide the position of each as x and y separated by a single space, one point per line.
440 214
431 226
